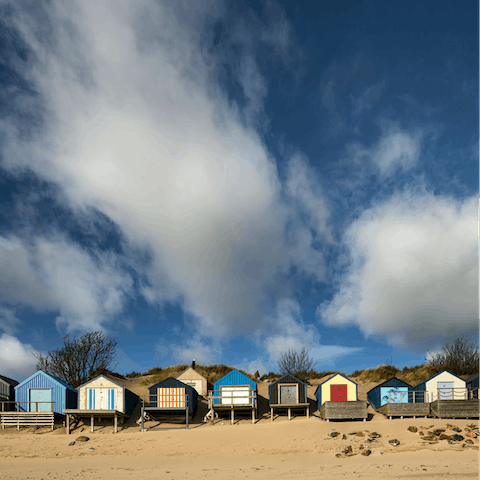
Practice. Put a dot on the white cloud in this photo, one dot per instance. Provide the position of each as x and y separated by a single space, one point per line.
396 149
8 320
17 359
137 129
57 276
413 272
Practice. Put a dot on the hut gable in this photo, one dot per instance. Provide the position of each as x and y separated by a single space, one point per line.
377 396
445 380
191 377
287 390
336 388
103 393
177 398
46 388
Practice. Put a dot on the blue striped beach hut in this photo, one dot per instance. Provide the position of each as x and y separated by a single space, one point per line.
103 393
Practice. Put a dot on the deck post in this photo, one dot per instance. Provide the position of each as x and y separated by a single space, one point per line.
91 423
115 423
68 424
308 411
232 415
142 413
186 415
289 413
253 416
271 414
364 419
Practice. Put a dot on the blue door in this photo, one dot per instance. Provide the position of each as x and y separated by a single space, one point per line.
393 395
41 395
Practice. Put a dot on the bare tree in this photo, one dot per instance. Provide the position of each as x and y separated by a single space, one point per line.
296 363
80 359
459 357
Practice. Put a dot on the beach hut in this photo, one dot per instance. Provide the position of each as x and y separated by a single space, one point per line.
472 385
42 392
102 397
393 390
337 398
170 396
288 392
7 393
395 398
448 396
38 400
442 386
191 377
234 392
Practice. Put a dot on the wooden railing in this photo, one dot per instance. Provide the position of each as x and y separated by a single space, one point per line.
411 396
455 393
18 409
221 398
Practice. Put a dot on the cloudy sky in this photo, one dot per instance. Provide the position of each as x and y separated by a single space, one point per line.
227 180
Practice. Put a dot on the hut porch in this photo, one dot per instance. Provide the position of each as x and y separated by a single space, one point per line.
454 408
217 400
27 419
350 410
289 407
77 414
405 410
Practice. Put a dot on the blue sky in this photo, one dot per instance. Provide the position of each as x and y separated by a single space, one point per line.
227 181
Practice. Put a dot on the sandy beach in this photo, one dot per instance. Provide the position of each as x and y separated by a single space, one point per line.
287 449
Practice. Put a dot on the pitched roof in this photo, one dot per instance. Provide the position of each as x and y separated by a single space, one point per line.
104 376
55 379
433 376
12 382
390 379
333 376
288 375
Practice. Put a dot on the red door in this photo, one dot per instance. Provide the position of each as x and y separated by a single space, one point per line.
338 393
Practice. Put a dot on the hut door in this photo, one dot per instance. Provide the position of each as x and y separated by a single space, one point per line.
288 394
171 397
41 395
235 394
101 399
338 393
446 392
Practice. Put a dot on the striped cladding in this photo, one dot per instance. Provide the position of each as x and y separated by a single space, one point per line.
171 397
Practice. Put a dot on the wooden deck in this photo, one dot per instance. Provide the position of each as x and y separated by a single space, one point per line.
77 414
405 410
217 401
27 419
454 408
289 407
344 410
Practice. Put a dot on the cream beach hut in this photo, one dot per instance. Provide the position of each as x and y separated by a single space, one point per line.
103 397
191 377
